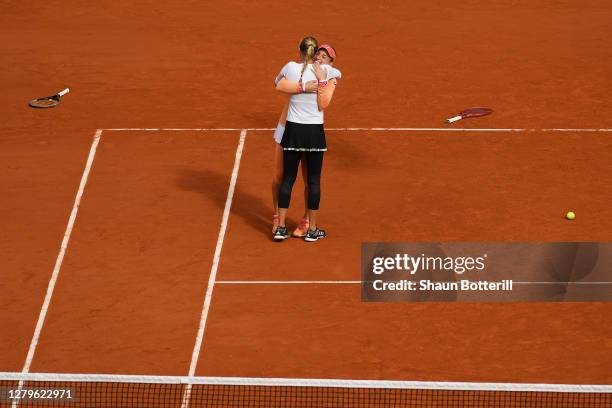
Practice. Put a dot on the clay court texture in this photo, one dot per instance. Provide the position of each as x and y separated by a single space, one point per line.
136 216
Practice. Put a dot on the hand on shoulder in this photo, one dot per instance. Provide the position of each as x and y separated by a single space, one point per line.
320 71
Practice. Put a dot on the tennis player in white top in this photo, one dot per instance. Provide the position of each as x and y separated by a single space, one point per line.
311 85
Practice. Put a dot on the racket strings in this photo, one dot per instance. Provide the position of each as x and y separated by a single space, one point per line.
44 103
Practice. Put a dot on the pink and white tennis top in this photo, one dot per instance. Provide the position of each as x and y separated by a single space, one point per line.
302 108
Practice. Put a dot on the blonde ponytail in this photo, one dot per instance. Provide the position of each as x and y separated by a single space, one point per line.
308 48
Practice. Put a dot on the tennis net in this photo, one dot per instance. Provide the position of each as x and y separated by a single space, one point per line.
80 390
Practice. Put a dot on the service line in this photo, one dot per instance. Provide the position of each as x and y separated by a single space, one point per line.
371 129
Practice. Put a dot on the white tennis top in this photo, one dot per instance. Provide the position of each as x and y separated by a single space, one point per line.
303 107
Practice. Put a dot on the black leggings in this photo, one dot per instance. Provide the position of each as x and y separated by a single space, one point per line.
314 164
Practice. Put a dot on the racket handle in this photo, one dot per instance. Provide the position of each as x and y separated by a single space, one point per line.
64 92
453 119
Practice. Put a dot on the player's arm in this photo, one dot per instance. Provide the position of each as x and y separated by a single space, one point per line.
325 92
326 86
285 86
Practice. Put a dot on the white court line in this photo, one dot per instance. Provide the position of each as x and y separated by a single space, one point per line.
215 266
314 282
347 282
60 258
562 283
62 252
374 129
576 130
178 129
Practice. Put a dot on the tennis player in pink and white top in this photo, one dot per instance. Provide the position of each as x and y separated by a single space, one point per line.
303 137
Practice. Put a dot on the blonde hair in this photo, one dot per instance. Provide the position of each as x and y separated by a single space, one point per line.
308 48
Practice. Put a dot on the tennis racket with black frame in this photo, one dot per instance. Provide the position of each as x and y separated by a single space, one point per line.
48 101
470 113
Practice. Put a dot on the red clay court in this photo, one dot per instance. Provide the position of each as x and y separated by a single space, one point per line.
136 215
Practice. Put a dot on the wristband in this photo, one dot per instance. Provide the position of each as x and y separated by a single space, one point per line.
322 84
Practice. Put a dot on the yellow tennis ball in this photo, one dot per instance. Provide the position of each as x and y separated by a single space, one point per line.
570 215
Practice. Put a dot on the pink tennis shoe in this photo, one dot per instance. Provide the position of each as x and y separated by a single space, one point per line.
302 229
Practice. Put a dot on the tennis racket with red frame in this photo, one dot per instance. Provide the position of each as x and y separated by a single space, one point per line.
470 113
48 101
